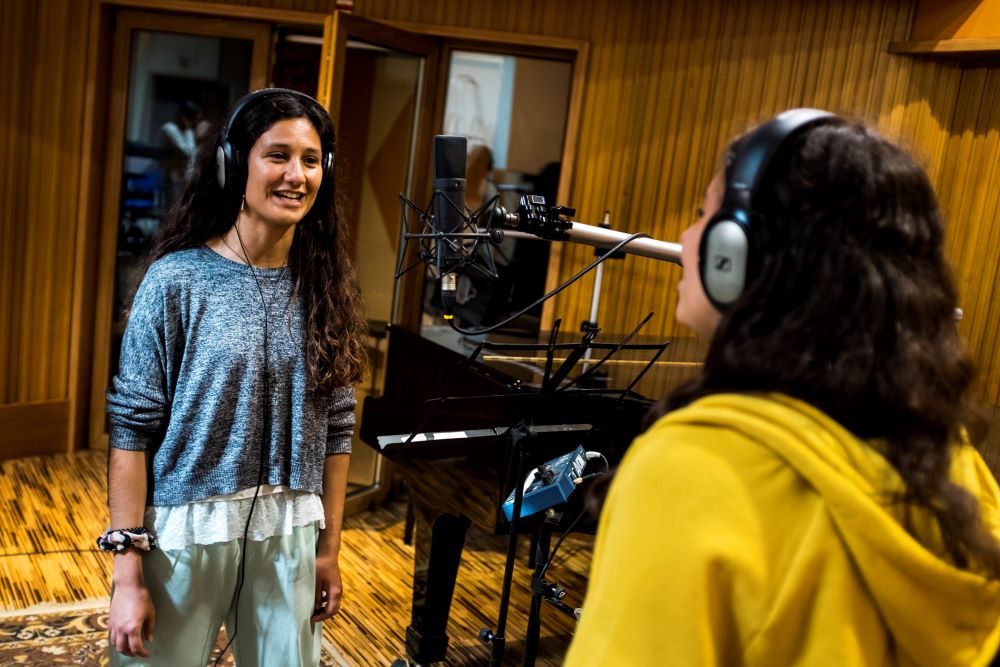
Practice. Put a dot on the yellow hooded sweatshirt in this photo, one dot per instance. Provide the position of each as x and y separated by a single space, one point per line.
755 530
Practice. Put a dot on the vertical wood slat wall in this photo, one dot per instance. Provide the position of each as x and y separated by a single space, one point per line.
42 61
670 82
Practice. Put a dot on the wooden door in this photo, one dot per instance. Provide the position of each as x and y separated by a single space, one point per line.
165 66
377 82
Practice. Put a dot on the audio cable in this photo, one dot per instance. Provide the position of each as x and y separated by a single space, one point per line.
545 297
263 443
590 455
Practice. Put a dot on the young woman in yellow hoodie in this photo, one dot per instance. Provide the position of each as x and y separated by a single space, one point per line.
812 497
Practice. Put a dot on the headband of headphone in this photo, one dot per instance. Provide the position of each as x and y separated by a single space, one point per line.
724 253
230 162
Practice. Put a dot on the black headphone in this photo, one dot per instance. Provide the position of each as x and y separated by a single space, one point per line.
230 163
724 253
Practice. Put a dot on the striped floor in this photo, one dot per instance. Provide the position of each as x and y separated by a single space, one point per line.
54 506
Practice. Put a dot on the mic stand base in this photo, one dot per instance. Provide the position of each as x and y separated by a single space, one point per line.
497 644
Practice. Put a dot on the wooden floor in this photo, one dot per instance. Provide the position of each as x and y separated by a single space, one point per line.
54 506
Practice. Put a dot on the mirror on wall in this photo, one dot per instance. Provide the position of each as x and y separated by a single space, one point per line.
513 112
179 85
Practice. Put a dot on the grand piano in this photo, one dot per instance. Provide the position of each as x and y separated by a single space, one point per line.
444 420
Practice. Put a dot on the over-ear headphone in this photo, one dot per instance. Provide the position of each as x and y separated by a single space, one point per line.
725 252
230 162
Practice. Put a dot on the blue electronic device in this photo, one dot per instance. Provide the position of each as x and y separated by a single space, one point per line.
552 484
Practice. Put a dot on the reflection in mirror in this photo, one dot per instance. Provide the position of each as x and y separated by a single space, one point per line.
512 110
179 84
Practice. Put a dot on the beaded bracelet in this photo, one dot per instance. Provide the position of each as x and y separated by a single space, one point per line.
120 539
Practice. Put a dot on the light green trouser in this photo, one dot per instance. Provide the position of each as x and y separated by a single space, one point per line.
194 593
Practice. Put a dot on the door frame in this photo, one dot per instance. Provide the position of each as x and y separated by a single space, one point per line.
124 23
339 29
574 51
448 39
86 360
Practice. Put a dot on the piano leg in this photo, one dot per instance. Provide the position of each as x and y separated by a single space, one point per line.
438 552
408 526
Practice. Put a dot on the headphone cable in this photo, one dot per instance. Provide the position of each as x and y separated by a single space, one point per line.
263 442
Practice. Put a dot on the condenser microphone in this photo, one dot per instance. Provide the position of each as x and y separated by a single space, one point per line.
449 212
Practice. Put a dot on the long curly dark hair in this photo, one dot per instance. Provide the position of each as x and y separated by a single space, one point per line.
850 306
319 259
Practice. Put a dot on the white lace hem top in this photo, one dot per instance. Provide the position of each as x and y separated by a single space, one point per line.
277 511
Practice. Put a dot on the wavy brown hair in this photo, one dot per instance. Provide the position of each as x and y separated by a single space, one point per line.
319 260
850 306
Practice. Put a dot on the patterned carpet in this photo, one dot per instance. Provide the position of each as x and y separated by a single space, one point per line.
77 634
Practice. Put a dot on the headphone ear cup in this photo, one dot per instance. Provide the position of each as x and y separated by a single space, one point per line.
227 169
326 187
722 261
724 252
221 167
327 166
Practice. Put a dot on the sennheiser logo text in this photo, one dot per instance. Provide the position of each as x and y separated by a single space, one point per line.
723 263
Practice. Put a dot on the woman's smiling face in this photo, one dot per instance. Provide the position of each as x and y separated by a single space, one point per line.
284 172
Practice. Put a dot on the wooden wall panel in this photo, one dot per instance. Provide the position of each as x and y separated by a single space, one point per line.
667 84
30 429
323 6
956 19
670 83
971 195
11 239
40 143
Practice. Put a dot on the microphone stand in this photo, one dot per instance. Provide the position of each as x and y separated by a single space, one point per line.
595 303
590 325
542 590
535 219
539 587
519 433
491 222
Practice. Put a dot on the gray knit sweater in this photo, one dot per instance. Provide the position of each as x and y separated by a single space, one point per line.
190 387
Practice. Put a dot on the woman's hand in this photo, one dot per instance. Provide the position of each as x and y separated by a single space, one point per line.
131 617
329 589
